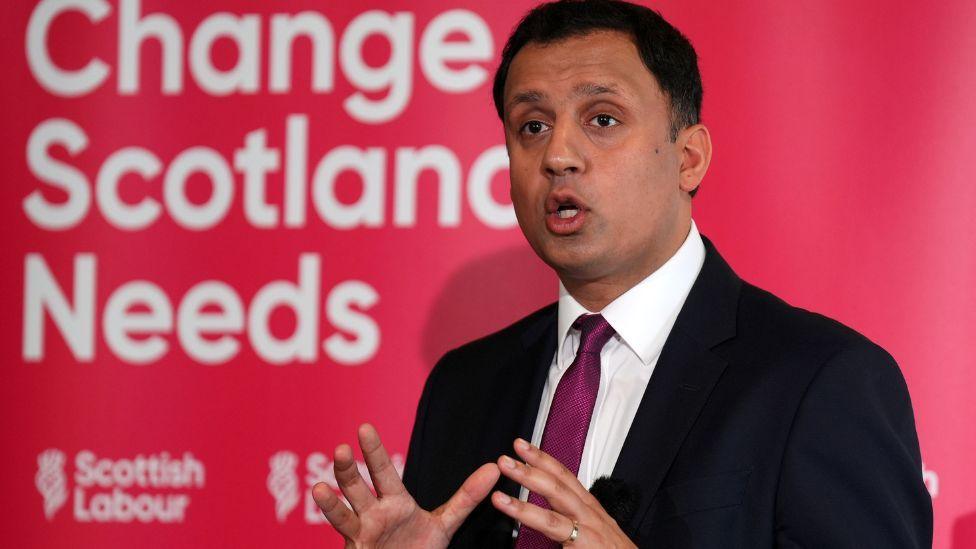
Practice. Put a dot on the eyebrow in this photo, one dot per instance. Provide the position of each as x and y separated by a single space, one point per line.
585 89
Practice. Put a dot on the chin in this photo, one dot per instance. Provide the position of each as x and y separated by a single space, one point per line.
571 255
576 265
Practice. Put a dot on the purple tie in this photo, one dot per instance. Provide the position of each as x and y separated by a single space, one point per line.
569 414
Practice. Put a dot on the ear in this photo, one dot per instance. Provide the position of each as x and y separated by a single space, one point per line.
695 145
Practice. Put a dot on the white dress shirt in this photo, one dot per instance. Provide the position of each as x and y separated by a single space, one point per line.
642 317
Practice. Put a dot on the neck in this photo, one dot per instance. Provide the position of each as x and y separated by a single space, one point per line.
596 293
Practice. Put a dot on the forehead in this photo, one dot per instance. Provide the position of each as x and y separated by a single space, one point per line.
601 59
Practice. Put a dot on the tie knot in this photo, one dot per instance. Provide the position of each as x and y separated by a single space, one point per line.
595 331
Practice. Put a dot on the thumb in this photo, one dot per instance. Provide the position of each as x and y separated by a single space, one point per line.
475 488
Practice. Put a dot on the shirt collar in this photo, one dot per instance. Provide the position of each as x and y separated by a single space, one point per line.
643 315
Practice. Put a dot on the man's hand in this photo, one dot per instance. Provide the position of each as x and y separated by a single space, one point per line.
392 518
572 505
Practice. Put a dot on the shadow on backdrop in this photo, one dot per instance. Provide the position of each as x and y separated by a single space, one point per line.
484 296
964 532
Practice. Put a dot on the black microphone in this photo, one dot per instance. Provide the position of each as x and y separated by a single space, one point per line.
618 498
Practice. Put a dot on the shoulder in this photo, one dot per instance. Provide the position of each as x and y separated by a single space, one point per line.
840 423
837 386
482 356
786 329
811 352
850 436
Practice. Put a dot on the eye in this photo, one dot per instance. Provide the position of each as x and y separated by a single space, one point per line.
533 127
605 120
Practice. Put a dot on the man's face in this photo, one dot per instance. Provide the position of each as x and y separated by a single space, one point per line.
594 176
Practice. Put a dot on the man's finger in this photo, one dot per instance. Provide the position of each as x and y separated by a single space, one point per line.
550 523
340 517
541 460
561 497
385 478
350 481
471 493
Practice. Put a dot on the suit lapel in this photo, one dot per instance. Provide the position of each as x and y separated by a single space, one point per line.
520 381
682 381
523 380
679 387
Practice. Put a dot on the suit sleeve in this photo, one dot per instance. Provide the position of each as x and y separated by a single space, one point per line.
851 473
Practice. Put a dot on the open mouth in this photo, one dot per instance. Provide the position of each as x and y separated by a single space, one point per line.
567 211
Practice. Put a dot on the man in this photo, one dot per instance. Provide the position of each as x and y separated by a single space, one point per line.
722 416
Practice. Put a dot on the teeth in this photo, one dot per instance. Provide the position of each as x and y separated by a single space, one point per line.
567 213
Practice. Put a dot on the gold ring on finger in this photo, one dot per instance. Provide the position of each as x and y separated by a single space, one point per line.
572 535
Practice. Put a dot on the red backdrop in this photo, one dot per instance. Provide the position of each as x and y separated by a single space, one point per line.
218 260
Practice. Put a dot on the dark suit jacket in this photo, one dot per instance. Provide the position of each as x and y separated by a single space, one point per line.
763 425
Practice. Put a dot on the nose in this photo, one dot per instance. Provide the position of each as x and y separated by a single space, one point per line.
563 154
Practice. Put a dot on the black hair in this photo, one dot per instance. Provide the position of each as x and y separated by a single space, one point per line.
666 53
